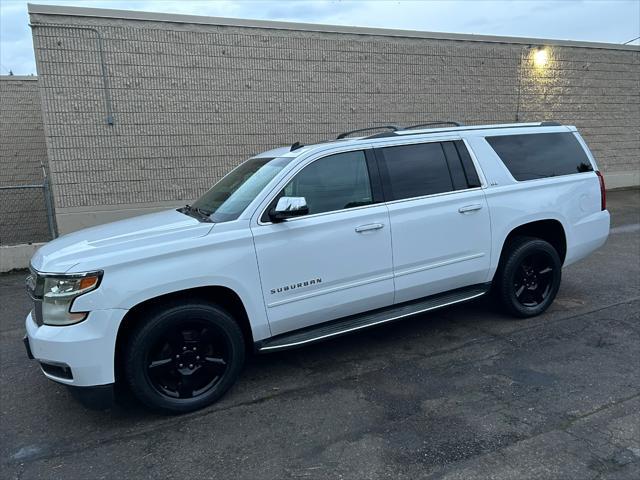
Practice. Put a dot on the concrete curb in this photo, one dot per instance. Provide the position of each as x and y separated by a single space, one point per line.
15 257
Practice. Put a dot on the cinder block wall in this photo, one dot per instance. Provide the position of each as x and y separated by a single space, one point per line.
193 96
23 154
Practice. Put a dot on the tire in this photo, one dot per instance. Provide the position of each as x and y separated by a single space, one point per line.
183 357
528 277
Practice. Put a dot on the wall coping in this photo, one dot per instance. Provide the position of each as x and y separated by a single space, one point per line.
308 27
18 77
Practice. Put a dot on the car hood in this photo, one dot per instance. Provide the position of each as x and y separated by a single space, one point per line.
96 245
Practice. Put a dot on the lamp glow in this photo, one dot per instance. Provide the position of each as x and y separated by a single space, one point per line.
541 58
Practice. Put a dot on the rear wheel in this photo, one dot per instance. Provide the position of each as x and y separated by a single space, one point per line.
529 277
184 357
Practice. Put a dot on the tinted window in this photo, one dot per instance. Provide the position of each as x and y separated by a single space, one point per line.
455 166
415 170
541 155
467 164
333 183
228 198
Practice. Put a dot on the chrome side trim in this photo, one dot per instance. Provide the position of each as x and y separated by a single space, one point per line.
68 275
330 290
430 266
433 195
360 327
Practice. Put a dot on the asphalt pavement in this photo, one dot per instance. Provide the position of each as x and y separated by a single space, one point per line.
459 393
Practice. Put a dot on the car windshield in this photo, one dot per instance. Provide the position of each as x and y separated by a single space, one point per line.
228 198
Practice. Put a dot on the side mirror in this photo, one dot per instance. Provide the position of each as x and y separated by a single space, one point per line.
288 207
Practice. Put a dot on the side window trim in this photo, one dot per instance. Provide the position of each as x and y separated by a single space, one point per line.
456 169
375 179
476 163
469 168
384 176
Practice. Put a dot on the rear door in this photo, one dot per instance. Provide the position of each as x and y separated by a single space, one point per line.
440 226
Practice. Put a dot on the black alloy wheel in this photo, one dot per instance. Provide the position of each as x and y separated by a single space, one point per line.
528 278
183 356
533 279
188 359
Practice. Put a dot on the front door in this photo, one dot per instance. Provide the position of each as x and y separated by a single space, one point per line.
336 260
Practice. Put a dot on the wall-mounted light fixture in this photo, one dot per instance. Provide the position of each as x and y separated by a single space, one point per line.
541 57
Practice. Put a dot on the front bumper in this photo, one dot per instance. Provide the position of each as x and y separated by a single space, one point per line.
87 348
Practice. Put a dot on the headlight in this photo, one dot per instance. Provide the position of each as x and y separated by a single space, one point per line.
59 294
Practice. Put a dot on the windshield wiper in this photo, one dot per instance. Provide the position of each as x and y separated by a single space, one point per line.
201 211
196 212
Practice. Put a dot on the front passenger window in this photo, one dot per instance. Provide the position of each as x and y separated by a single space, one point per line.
332 183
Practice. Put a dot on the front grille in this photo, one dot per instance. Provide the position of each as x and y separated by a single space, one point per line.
35 289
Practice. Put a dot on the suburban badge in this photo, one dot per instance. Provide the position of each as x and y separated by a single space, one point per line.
295 286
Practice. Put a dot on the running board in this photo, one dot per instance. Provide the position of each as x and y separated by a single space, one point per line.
369 319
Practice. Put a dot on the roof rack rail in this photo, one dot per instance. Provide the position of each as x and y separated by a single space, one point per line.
395 131
393 128
411 127
455 124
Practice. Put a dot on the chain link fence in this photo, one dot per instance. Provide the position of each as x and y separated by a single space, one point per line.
26 214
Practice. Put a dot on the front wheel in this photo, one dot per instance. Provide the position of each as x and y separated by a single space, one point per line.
184 357
528 278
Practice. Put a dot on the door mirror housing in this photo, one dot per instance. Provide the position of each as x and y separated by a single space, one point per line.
288 207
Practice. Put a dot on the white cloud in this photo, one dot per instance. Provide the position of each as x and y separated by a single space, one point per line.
614 21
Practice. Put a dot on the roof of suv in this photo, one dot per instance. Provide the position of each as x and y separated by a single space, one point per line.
397 132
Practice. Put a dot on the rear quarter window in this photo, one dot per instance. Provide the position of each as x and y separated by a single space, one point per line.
541 155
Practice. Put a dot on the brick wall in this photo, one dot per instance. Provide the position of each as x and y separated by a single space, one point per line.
191 100
22 156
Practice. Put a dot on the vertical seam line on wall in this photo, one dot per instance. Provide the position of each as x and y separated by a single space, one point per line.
103 67
520 75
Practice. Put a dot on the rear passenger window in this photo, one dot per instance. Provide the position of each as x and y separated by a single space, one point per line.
415 170
541 155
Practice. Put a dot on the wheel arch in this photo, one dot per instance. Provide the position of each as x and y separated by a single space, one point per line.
550 230
221 296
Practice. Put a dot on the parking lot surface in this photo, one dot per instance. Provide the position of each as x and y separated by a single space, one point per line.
459 393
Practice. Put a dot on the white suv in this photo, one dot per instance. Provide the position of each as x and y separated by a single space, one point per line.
305 243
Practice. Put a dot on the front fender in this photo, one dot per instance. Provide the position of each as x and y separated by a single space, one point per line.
227 260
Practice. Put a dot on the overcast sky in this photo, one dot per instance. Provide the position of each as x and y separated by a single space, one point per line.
613 21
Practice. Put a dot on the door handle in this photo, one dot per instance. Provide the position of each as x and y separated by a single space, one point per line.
371 226
470 208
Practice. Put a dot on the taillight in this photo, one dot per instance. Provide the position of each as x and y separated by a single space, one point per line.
603 192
